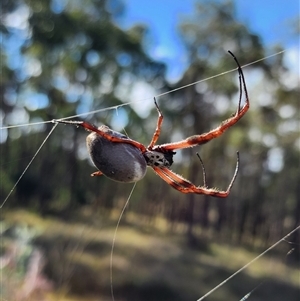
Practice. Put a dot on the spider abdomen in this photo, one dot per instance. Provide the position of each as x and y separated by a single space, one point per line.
120 162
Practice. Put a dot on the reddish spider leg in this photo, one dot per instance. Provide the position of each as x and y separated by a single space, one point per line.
92 128
183 185
158 126
206 137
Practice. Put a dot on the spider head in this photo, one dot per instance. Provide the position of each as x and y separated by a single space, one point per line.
159 158
169 156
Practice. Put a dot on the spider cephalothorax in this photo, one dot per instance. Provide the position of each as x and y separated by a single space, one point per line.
159 158
125 160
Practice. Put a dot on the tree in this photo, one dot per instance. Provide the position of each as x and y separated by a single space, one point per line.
73 59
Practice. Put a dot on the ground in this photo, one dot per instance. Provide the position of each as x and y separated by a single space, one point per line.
149 262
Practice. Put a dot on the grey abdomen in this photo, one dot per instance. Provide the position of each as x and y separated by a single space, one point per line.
120 162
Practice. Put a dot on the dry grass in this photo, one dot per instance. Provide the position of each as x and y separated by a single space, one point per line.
148 263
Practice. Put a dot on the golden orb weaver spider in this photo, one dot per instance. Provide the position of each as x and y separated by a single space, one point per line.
125 160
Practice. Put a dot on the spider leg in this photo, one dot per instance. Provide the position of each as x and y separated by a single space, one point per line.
203 170
105 135
183 185
167 176
242 81
158 126
206 137
97 173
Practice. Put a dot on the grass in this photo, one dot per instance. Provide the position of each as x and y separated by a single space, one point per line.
148 263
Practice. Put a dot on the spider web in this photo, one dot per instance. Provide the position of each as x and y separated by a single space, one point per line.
133 188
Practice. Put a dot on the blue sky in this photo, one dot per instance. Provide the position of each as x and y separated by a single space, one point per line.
268 18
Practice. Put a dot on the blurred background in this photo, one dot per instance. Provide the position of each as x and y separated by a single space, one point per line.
64 58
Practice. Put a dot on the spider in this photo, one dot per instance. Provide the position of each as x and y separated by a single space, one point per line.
122 159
